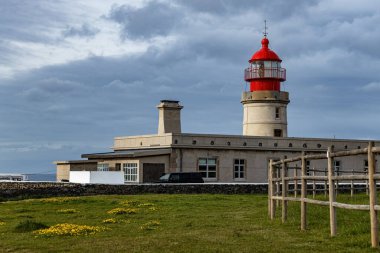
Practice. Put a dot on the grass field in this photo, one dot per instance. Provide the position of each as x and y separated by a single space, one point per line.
174 223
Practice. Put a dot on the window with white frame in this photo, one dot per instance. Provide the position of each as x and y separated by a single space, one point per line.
207 167
130 172
103 167
239 168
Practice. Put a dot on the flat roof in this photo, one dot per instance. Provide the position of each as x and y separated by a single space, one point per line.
130 153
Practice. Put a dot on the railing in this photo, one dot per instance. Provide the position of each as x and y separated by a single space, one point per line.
278 180
257 73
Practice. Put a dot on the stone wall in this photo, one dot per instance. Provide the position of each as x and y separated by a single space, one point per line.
22 190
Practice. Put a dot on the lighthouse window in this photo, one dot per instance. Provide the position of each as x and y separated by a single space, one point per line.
275 65
277 133
277 114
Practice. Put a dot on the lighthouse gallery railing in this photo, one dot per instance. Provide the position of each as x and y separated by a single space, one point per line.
257 73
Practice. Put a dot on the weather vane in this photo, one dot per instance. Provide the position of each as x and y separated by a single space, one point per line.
265 28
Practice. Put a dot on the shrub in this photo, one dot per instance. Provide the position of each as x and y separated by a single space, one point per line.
29 225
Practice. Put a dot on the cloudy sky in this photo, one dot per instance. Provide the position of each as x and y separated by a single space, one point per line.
74 74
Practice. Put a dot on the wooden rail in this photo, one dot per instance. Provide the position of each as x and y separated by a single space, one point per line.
279 179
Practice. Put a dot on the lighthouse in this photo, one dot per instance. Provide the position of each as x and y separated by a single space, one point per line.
265 104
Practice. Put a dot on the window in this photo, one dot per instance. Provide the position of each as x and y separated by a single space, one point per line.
365 166
207 167
337 167
130 172
290 145
239 168
277 114
103 167
118 166
277 133
308 168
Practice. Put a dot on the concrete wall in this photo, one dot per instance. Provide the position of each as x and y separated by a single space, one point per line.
97 177
64 168
144 141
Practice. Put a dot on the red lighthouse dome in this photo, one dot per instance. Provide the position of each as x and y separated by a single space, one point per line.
265 54
264 71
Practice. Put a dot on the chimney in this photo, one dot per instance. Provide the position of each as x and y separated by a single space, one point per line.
169 117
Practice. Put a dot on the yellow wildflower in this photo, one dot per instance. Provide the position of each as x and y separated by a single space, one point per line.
111 220
145 205
2 223
67 229
120 210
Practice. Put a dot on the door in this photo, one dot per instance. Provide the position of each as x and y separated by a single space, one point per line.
152 171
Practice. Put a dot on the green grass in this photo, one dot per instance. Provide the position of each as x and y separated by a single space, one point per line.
181 223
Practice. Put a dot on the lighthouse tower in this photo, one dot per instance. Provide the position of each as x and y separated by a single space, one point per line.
265 104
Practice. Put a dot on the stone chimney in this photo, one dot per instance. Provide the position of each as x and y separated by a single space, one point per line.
169 117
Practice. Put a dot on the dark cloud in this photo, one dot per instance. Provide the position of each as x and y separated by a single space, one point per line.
273 10
153 19
85 30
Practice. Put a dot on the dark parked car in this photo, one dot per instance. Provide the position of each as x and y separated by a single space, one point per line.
182 177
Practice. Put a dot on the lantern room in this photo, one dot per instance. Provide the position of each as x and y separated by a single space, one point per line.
264 71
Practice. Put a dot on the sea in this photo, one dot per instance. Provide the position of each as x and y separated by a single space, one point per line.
42 177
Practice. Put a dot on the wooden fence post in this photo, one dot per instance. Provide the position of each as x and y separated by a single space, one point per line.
272 186
326 183
372 196
269 187
277 185
314 186
367 184
284 190
330 168
295 182
303 192
352 185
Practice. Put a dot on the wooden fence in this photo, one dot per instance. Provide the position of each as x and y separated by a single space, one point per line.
279 179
